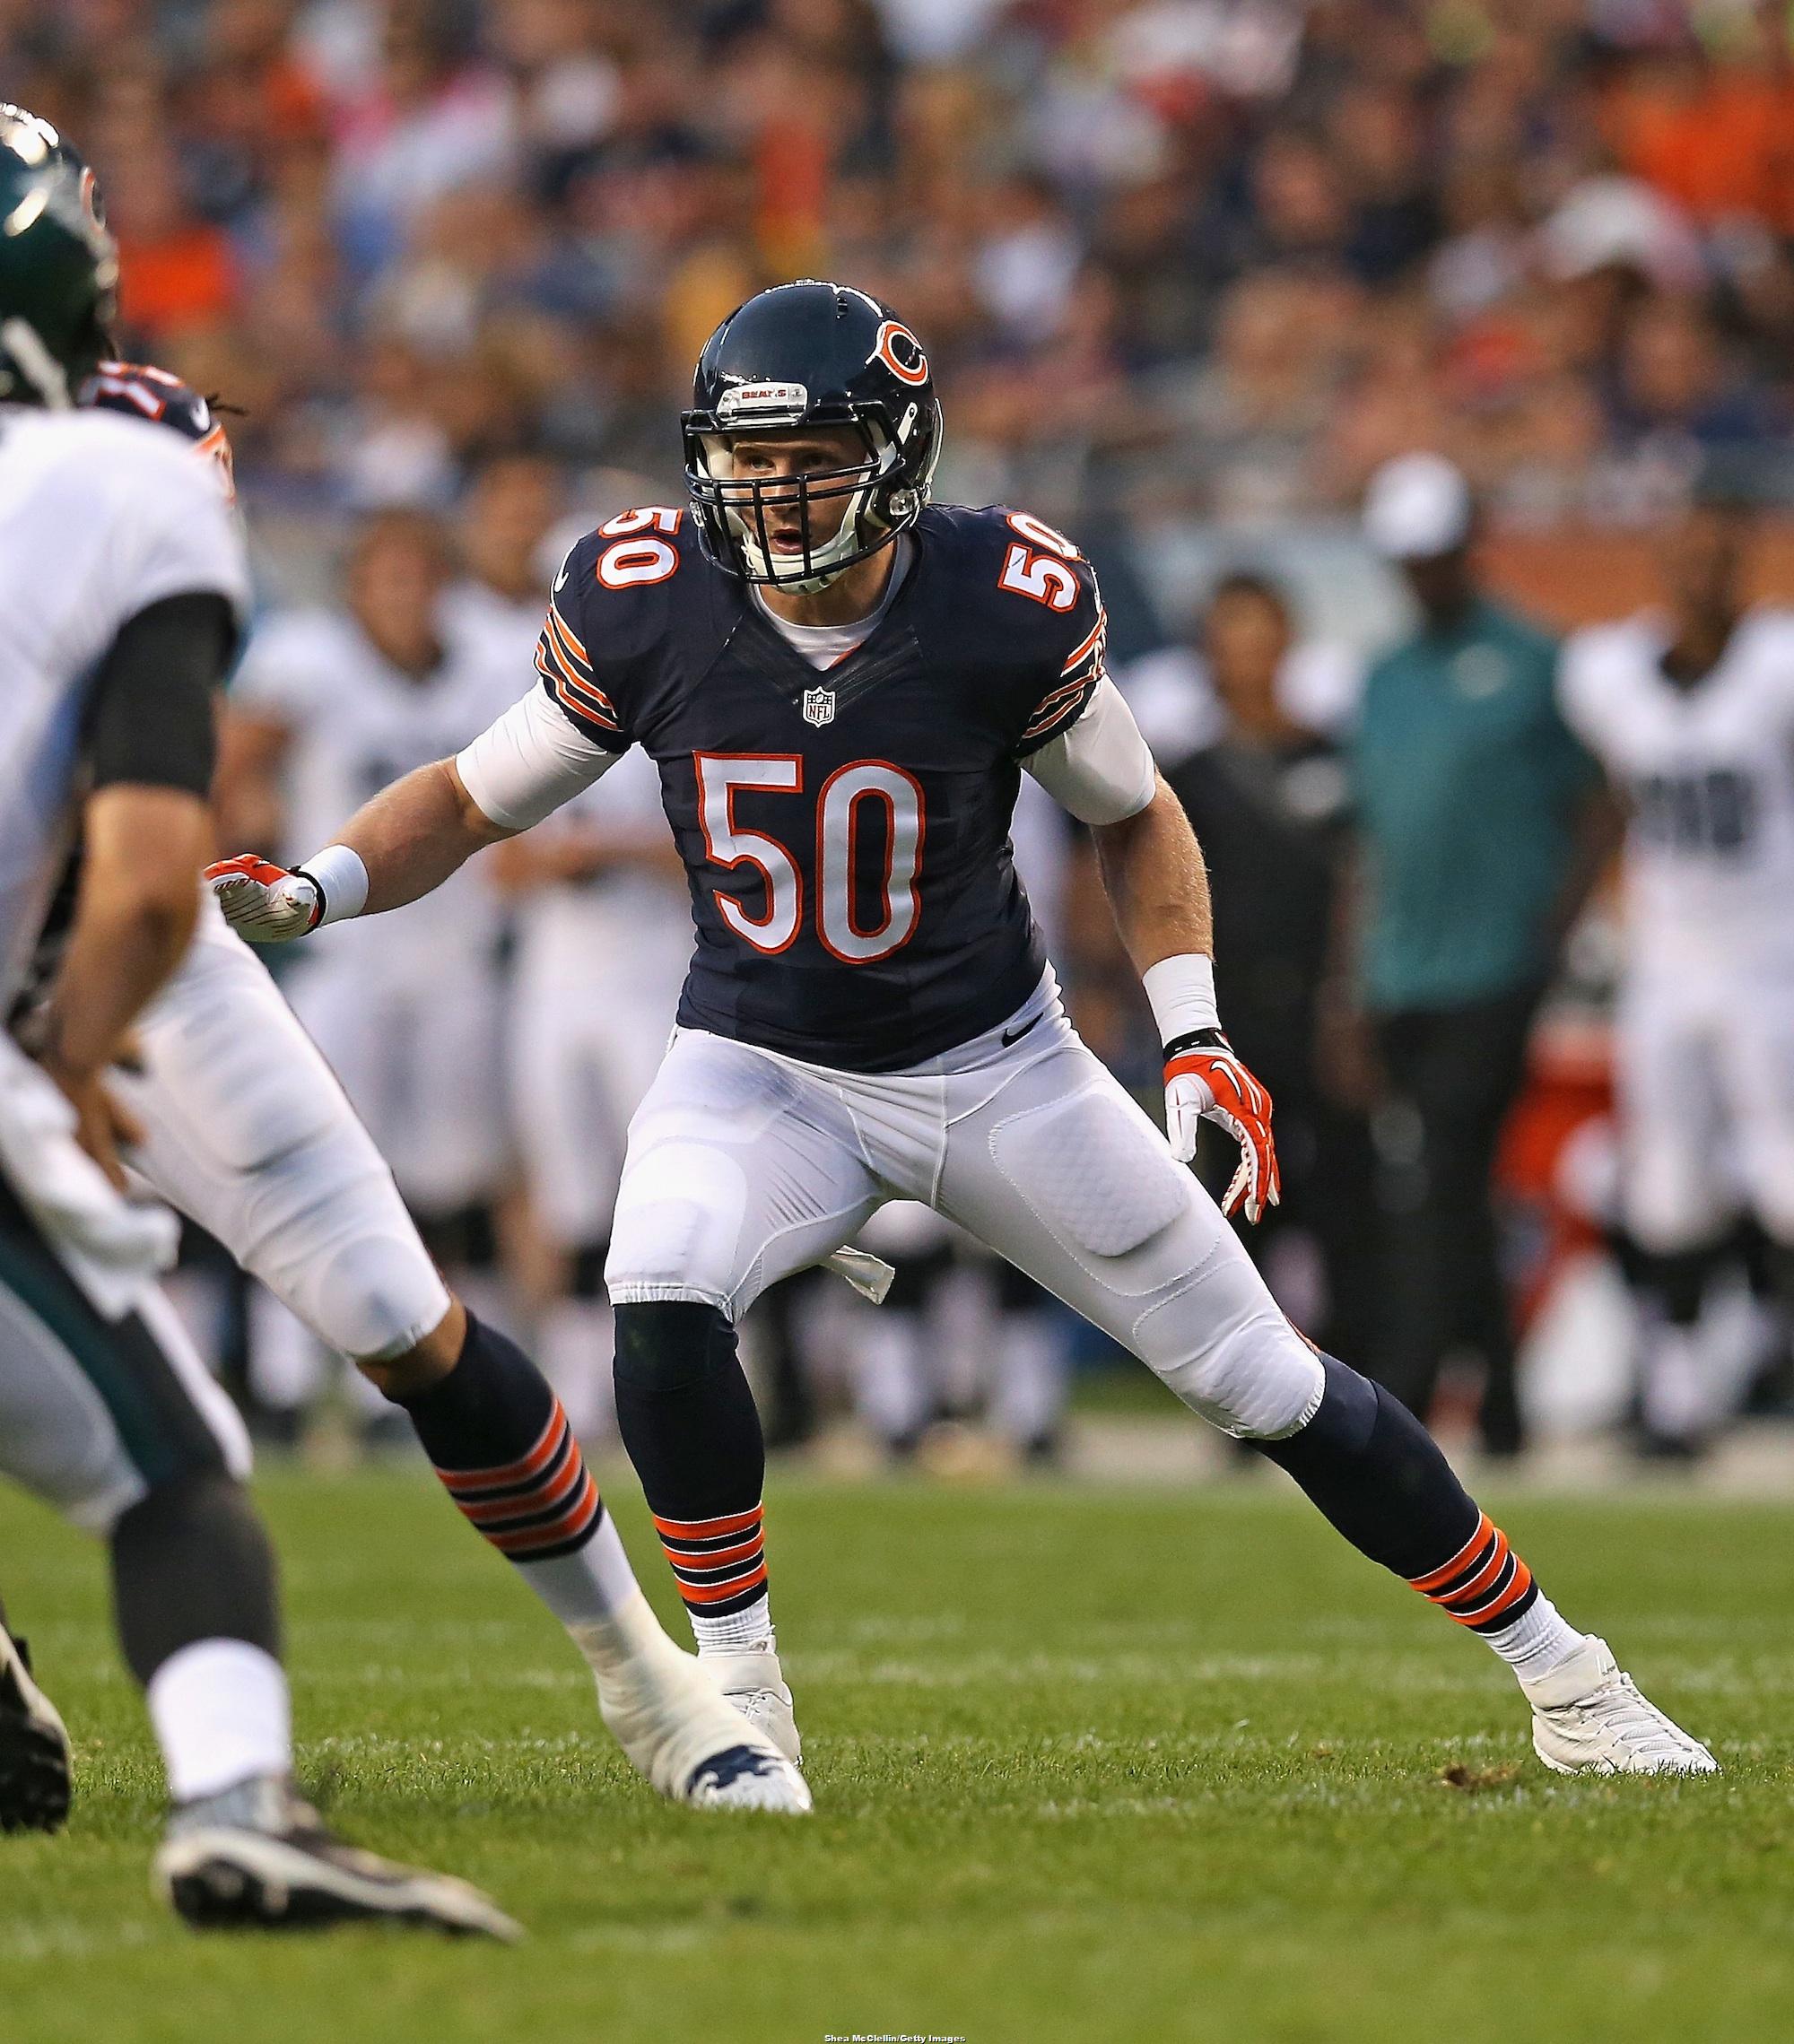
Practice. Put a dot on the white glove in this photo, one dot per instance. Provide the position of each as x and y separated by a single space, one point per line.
265 902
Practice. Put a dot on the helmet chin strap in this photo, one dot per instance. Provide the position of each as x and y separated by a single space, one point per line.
35 363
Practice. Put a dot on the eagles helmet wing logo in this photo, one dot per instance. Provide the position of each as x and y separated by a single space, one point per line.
819 706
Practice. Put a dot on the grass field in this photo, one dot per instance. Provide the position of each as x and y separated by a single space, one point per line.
1088 1765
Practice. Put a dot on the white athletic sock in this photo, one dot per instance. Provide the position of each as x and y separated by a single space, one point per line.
745 1631
1534 1645
593 1583
221 1714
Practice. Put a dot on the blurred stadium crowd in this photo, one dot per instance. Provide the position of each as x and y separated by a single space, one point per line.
1206 255
1191 272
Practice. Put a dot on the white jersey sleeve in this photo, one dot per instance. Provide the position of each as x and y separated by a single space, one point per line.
533 759
1596 683
1100 767
182 538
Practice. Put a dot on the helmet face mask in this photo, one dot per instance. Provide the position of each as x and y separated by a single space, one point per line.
828 519
806 363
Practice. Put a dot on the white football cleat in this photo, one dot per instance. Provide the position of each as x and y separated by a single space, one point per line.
1588 1717
755 1684
677 1729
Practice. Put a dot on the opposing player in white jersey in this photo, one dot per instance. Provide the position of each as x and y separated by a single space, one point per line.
1691 710
122 591
241 1126
581 1046
329 704
869 1013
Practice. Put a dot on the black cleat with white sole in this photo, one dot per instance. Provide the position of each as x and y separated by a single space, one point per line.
35 1781
258 1857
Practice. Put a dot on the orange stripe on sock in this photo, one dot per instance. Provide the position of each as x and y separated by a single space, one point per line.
1427 1584
714 1558
494 1512
572 1522
714 1593
461 1481
708 1528
1468 1592
1510 1596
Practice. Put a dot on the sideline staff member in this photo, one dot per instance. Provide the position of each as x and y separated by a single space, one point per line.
1470 793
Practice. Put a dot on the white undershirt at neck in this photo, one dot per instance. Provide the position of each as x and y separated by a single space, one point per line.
821 645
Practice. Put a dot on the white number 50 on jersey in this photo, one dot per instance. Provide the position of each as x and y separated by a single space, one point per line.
838 861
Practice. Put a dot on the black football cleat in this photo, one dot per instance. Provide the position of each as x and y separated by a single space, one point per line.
258 1857
35 1781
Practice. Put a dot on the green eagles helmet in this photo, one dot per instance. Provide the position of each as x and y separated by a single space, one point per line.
58 266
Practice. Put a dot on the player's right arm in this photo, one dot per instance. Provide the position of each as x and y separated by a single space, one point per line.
411 836
146 830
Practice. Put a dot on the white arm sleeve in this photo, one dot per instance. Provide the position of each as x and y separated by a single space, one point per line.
1101 768
532 760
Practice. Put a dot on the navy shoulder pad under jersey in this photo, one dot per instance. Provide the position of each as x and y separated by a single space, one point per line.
1017 601
636 600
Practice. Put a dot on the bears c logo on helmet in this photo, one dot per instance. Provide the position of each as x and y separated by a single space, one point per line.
902 353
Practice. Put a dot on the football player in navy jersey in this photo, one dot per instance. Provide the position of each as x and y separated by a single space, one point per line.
840 685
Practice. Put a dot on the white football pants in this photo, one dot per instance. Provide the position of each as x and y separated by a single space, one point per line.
745 1166
248 1134
101 1396
1704 1075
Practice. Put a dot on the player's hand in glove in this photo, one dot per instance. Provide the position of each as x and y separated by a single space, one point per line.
265 902
1205 1080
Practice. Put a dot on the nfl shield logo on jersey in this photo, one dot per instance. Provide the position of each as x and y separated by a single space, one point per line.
819 706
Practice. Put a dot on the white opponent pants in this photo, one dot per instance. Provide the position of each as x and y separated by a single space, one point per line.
248 1134
586 1041
1704 1070
101 1396
745 1166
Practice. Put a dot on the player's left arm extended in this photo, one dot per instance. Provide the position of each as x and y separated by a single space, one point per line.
1157 885
411 836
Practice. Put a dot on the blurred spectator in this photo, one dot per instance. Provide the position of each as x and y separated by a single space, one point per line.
330 705
1469 793
1267 796
1153 243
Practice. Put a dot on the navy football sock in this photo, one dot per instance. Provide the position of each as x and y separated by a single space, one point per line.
1382 1481
692 1431
502 1445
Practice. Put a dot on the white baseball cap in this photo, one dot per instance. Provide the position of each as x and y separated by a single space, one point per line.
1417 507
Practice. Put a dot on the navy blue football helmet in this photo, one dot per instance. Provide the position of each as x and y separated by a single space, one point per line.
810 354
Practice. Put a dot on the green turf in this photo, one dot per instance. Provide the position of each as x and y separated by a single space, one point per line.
1087 1765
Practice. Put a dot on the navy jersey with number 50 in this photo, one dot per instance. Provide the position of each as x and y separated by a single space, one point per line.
846 833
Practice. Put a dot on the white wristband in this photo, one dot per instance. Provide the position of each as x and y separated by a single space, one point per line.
1182 990
340 877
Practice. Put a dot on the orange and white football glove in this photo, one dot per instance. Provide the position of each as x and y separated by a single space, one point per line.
265 902
1205 1080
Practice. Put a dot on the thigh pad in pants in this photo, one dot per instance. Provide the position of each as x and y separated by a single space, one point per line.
740 1170
1060 1172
